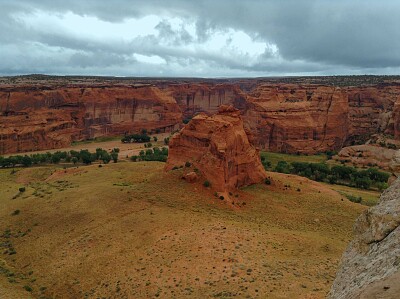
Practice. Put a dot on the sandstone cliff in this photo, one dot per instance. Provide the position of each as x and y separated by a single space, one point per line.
42 118
370 267
371 111
219 148
283 117
294 118
207 97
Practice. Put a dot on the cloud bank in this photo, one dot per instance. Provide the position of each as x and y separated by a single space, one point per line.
203 38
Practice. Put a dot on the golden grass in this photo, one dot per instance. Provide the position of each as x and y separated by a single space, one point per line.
369 197
128 230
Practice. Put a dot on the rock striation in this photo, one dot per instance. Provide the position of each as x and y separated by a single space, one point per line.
52 117
370 267
218 146
284 115
297 119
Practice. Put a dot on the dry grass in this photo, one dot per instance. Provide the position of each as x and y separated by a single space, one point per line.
128 230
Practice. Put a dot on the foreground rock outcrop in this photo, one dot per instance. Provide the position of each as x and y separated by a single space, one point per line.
370 267
219 148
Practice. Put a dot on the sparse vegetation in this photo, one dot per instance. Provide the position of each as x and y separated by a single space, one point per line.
138 138
162 218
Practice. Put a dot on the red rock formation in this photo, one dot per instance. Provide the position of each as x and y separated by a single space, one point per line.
371 111
294 118
54 117
283 117
366 155
194 98
219 147
396 120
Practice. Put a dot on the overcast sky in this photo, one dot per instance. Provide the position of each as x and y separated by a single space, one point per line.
200 38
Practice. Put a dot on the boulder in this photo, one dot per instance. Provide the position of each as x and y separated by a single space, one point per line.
190 177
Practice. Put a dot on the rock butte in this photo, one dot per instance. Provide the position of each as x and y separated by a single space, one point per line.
218 146
370 267
283 117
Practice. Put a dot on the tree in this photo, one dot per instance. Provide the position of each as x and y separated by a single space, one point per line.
85 156
106 157
114 156
26 161
155 138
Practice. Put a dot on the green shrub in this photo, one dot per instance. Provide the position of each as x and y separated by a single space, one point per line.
354 198
188 164
21 189
16 212
267 181
207 184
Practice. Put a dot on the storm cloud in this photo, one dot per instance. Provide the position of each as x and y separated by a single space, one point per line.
200 38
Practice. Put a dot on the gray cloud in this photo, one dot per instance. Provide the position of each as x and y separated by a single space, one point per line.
311 37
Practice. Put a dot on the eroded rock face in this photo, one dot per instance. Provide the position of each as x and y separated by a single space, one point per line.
34 119
293 118
194 98
219 148
283 117
370 267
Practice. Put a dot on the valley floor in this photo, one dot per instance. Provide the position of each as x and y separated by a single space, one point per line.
129 230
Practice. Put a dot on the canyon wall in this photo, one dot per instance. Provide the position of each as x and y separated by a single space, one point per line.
293 118
44 118
283 117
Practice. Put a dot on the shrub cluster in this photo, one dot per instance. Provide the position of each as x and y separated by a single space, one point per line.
136 138
154 154
83 156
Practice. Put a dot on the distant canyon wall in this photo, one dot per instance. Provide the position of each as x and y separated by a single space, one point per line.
44 118
293 118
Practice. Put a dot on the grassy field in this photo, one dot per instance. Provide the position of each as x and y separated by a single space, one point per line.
129 230
274 158
369 197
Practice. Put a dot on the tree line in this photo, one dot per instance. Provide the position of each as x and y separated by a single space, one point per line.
152 154
82 156
337 174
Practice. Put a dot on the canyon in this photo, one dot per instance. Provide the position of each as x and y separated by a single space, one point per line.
291 115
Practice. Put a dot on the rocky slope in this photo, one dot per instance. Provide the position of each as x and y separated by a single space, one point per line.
285 115
219 148
370 267
371 155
